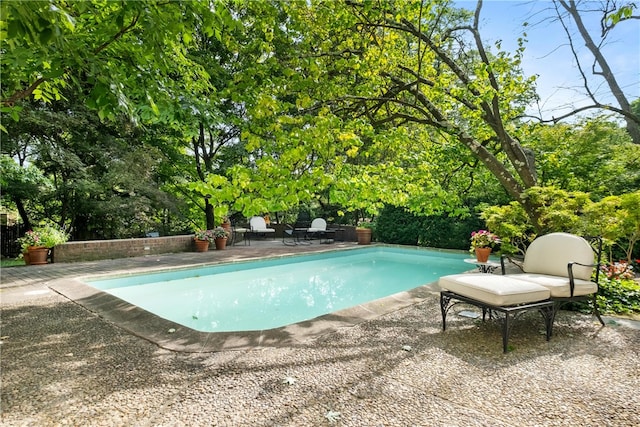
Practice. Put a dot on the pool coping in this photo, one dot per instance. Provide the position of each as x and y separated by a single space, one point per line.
173 336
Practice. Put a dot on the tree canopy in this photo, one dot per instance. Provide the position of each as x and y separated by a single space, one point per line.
142 114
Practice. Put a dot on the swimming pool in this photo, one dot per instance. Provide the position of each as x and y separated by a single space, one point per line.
259 295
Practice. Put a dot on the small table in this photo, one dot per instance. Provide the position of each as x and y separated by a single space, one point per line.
484 267
298 234
328 236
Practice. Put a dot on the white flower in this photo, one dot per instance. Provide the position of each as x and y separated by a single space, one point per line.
289 380
332 416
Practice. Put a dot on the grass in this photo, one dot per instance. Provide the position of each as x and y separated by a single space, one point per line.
11 263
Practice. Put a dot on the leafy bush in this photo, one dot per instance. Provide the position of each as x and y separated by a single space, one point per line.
449 232
619 296
616 296
396 225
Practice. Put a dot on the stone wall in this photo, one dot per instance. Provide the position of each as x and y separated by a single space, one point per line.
92 250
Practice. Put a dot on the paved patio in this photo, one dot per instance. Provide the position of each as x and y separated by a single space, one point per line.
63 364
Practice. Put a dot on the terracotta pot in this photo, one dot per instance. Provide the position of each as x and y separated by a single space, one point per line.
482 254
202 245
37 255
221 243
364 236
227 228
26 258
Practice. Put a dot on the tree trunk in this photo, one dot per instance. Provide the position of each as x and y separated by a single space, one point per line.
208 210
23 213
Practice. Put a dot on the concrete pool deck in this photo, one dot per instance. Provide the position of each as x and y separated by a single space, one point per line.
62 364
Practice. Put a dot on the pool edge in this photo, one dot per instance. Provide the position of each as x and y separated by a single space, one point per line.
175 337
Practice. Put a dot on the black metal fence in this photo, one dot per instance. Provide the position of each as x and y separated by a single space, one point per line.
9 248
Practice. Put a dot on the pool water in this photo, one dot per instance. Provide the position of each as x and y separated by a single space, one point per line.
259 295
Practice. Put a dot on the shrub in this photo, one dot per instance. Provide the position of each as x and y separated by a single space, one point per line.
396 225
449 232
615 296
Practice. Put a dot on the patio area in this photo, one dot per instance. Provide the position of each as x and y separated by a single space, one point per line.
65 365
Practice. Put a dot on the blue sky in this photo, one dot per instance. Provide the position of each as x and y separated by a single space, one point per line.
547 54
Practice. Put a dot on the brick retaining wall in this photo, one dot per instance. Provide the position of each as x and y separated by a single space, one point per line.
91 250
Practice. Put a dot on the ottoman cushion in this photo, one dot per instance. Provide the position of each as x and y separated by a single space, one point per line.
494 289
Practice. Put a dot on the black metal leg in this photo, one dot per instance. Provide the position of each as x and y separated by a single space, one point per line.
548 314
505 315
506 330
596 311
444 308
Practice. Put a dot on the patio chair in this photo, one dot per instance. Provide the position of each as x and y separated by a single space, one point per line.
258 227
318 225
318 228
563 263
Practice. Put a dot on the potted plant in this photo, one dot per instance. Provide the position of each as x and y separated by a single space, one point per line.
364 232
36 243
482 243
202 239
220 236
226 223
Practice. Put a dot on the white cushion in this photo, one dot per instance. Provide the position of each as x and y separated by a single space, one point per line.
317 224
550 254
258 225
494 289
558 285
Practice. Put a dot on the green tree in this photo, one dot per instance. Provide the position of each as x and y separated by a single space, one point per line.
102 177
404 66
593 155
123 56
19 184
616 218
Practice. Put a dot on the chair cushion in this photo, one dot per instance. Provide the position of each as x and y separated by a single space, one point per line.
318 224
558 285
263 230
550 254
494 289
258 225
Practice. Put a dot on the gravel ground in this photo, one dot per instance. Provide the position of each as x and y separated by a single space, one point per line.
64 366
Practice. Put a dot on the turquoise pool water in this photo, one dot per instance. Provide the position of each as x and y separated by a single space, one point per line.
267 294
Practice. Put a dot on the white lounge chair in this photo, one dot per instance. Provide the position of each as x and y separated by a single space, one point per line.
317 225
557 269
563 263
259 227
318 229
